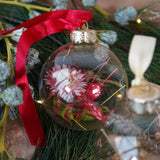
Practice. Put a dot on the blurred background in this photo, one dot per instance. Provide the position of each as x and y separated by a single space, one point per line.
112 5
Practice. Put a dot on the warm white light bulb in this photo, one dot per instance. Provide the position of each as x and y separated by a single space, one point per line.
139 20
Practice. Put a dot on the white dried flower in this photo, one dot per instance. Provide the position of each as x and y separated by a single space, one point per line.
18 34
33 14
12 96
5 70
89 3
32 59
110 37
66 82
59 2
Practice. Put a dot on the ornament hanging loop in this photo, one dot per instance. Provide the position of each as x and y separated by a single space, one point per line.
86 23
68 51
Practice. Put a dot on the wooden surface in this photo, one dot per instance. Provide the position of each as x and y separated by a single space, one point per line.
17 140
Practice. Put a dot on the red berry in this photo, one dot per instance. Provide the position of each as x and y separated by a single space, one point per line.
93 90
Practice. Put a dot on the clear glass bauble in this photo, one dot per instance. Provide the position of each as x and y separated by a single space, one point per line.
80 84
132 132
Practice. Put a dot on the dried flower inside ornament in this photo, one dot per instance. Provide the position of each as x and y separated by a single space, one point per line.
82 82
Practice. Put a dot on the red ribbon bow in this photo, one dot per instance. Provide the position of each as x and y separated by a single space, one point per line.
38 28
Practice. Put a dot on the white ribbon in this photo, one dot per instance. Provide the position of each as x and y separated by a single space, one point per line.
140 56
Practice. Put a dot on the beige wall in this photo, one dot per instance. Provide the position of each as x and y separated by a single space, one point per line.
112 5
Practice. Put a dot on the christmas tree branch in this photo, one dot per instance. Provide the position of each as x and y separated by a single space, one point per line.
7 35
31 6
11 19
101 11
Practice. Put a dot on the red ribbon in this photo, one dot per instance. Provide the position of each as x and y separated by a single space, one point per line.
38 28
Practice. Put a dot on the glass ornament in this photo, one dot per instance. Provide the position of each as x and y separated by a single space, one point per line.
81 82
132 131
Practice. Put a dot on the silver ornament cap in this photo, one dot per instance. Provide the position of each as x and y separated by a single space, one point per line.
83 36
